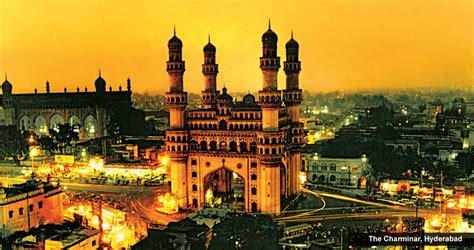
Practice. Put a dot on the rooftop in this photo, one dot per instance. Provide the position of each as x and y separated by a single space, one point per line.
29 188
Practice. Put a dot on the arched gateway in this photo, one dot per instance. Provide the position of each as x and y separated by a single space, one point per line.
245 153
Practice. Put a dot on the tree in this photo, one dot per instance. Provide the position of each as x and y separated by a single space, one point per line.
127 122
246 232
59 138
466 162
13 143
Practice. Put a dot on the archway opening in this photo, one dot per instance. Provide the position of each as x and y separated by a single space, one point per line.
227 189
40 125
90 126
55 121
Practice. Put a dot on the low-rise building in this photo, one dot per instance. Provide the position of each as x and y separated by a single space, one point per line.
69 235
28 205
352 172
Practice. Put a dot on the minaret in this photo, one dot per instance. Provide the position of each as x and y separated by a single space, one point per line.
292 97
7 102
270 96
292 66
210 70
270 139
177 136
100 111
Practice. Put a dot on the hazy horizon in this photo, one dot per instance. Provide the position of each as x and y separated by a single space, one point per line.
344 45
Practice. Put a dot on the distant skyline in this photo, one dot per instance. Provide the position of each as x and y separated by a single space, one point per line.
344 44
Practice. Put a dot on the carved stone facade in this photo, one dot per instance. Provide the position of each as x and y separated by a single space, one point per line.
252 146
41 111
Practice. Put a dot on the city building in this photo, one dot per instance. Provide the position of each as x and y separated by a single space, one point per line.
28 205
42 111
68 235
252 145
350 172
182 235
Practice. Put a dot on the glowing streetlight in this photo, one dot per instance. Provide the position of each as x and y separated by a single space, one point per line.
209 197
303 177
364 158
316 156
164 160
31 139
33 153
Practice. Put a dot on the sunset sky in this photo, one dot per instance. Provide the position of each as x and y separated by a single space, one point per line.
344 44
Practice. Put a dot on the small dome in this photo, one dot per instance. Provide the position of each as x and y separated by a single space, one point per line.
7 87
224 96
249 99
175 42
292 43
209 47
269 36
100 84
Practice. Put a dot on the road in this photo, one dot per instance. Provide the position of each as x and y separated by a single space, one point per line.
370 210
96 188
139 199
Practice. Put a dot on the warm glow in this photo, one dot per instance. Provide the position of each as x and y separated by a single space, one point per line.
96 163
164 160
343 44
209 197
303 177
34 152
168 204
119 230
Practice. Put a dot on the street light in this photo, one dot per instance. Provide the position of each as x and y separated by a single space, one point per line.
31 139
33 153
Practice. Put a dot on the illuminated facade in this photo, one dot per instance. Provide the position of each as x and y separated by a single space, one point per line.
246 153
351 172
29 205
42 111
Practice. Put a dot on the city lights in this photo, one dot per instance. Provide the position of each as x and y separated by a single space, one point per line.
303 177
168 204
361 143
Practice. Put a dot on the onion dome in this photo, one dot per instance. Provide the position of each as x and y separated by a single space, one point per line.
269 36
7 87
249 99
209 46
100 84
175 42
224 96
292 43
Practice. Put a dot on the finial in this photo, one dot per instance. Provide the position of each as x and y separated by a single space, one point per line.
6 78
99 73
269 24
209 38
291 34
174 30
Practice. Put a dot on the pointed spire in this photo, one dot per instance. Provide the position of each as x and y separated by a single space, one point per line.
6 78
269 24
291 34
99 73
174 30
209 38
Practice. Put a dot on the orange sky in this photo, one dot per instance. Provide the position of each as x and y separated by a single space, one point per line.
344 44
